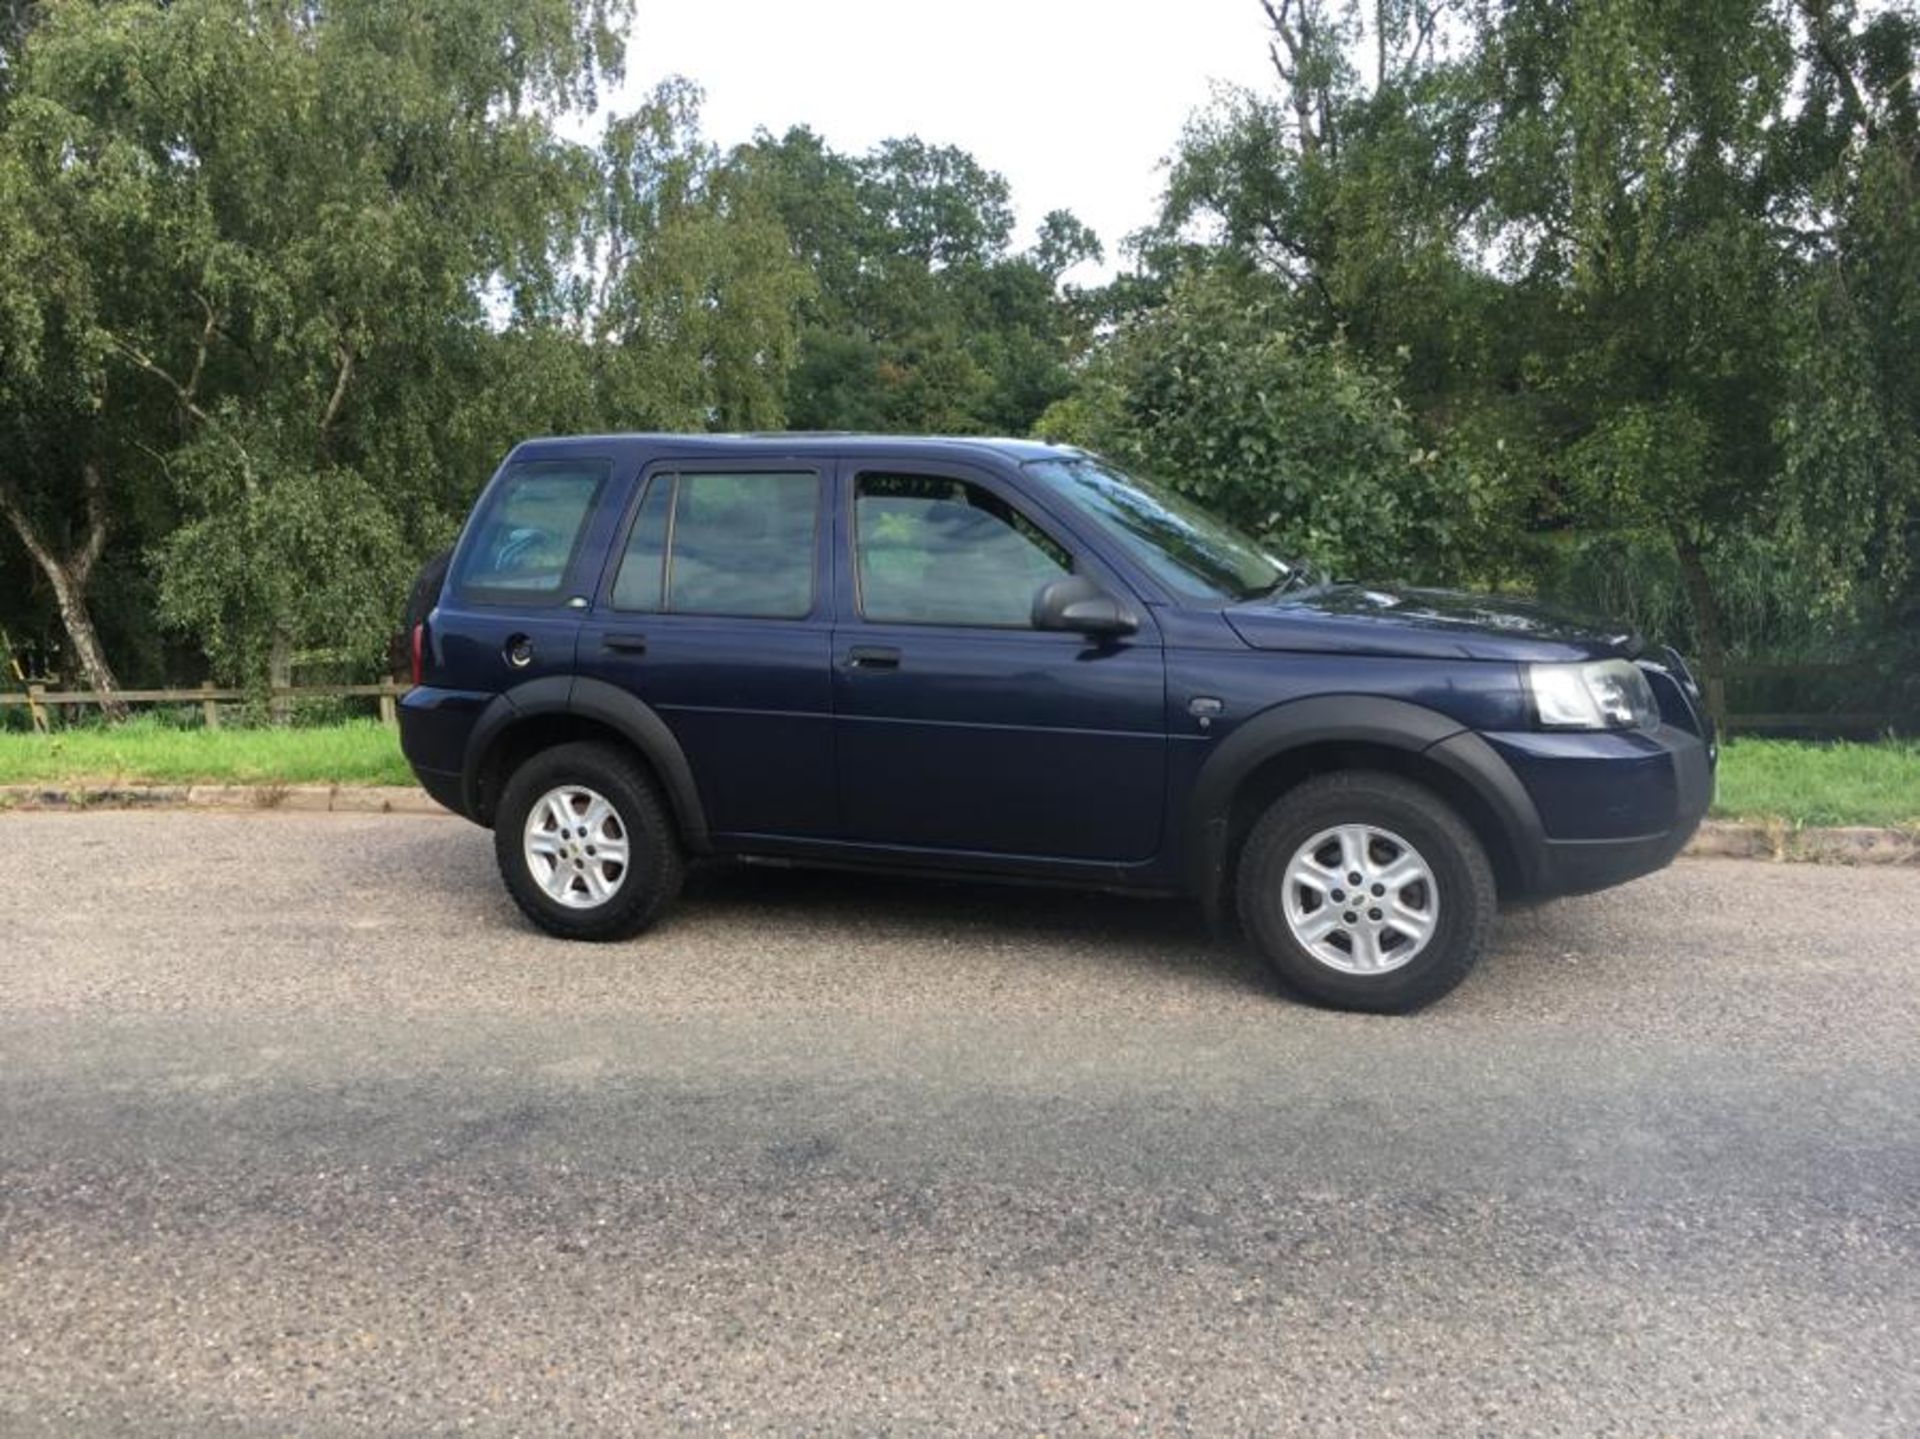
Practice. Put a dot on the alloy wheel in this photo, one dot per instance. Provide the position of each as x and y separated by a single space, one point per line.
1360 899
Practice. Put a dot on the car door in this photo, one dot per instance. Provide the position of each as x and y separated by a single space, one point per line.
959 726
714 611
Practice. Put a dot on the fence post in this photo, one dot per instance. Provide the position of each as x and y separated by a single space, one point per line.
1716 687
387 715
35 710
209 710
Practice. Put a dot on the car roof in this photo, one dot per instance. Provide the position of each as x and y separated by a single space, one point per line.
790 442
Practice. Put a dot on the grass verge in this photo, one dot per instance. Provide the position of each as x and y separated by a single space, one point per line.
1791 781
145 751
1804 783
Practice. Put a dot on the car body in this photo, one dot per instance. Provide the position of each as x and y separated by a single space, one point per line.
832 649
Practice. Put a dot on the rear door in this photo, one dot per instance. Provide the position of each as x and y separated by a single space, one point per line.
714 610
960 726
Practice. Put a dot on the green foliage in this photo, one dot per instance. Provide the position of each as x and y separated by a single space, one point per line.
1616 301
1638 268
693 306
155 749
1218 392
246 226
1820 784
276 552
922 318
279 285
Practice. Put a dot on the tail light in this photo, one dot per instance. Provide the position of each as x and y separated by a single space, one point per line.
418 651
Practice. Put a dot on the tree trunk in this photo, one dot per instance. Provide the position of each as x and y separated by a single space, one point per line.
1708 620
69 575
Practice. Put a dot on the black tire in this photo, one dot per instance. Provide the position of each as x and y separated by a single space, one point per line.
651 880
1466 900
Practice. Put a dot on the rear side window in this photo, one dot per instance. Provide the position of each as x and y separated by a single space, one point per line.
723 544
524 538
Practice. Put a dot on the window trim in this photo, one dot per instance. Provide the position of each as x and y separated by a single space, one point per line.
493 597
673 473
913 470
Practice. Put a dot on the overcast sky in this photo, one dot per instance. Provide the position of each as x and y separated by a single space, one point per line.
1076 102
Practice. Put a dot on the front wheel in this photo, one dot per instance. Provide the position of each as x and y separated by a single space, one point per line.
1366 891
585 844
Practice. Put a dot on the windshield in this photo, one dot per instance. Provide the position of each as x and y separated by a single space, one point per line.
1184 547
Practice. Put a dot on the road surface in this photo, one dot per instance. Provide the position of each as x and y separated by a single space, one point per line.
303 1130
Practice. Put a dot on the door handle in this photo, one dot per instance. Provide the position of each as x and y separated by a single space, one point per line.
873 657
631 644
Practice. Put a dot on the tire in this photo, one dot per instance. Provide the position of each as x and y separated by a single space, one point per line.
1446 916
638 889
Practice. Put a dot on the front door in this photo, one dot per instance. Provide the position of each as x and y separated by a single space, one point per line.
961 727
715 613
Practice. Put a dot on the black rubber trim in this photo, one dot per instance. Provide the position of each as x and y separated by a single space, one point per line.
613 706
1351 719
1479 765
607 704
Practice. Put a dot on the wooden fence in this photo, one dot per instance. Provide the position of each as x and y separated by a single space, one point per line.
1760 722
41 701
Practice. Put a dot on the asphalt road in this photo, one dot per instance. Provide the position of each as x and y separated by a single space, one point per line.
302 1130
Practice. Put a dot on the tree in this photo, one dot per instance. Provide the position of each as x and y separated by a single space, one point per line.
1849 427
1354 184
692 315
1640 267
272 237
1219 392
922 317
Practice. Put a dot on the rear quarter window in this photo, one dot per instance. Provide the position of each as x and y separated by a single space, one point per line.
526 535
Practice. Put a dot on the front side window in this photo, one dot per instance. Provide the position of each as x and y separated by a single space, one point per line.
940 551
723 544
524 538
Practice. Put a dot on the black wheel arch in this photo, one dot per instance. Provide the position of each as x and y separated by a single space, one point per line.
559 708
1277 748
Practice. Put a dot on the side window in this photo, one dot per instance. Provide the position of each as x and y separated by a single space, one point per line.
639 582
938 551
723 544
523 540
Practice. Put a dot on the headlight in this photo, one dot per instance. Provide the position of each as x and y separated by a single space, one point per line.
1611 694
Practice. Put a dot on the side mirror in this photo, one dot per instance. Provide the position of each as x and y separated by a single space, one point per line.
1076 603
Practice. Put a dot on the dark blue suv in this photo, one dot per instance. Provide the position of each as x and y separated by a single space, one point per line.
1003 658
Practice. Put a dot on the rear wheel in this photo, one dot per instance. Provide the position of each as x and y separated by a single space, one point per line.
1366 891
585 843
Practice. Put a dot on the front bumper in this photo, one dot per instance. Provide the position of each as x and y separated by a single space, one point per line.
1612 806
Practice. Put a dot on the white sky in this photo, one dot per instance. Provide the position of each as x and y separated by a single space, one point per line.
1076 102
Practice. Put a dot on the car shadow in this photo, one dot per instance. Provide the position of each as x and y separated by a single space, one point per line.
1156 934
932 919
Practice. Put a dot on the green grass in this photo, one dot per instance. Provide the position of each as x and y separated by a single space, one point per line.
1798 783
145 751
1820 784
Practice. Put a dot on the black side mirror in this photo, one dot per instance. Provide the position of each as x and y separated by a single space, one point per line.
1078 604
